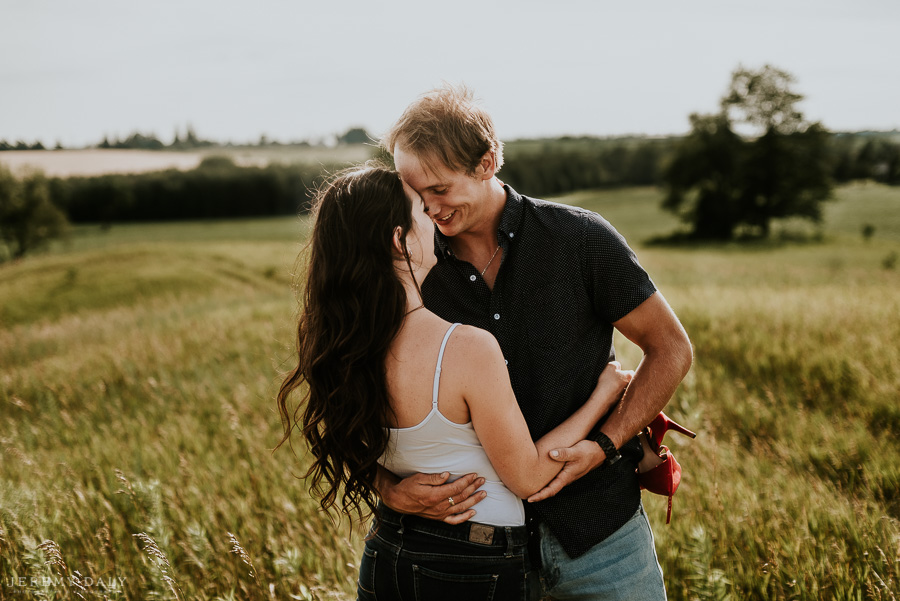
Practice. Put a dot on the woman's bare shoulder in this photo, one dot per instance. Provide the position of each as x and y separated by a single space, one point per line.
473 347
472 337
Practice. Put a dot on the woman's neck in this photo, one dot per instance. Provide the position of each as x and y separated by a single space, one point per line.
413 294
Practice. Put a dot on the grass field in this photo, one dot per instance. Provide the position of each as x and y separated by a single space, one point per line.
138 368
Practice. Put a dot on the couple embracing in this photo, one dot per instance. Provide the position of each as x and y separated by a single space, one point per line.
456 345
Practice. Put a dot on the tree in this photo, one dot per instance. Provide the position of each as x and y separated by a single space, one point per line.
785 175
764 100
721 182
28 218
706 164
355 135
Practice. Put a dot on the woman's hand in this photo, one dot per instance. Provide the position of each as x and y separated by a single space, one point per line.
611 384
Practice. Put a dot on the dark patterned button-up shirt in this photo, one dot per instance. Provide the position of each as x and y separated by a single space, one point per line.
565 276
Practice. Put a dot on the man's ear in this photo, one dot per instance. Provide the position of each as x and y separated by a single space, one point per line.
487 166
395 241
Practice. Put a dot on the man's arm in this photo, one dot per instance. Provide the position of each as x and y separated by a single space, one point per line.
427 495
654 328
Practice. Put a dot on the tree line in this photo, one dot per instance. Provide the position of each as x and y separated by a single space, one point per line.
557 166
720 182
35 208
567 164
23 145
217 188
189 141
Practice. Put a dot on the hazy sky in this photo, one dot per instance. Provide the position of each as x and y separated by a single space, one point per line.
293 69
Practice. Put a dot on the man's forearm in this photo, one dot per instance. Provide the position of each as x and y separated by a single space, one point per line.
384 482
654 383
654 328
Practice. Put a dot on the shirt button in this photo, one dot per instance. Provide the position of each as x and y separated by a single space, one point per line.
512 234
473 278
496 316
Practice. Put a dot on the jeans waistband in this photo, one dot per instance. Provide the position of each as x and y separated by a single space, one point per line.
472 532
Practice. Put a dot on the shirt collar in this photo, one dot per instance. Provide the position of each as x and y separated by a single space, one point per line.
510 220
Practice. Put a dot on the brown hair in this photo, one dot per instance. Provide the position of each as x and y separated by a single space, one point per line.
446 124
353 306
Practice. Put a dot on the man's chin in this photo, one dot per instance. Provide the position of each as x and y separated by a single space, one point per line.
448 229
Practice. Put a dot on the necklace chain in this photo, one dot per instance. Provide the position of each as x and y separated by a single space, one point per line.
491 261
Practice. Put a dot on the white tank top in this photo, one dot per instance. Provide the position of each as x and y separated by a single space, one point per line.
437 445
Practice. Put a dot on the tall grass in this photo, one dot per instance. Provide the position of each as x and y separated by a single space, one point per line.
138 368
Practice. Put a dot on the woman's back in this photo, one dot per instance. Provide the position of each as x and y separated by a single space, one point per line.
410 367
432 431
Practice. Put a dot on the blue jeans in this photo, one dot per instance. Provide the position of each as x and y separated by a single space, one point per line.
408 558
621 567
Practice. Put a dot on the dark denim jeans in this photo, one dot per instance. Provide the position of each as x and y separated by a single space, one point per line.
414 559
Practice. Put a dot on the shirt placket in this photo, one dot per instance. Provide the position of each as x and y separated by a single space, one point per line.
496 308
489 302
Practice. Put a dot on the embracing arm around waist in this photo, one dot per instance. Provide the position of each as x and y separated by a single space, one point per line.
524 466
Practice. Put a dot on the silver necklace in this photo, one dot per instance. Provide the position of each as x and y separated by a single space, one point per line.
491 261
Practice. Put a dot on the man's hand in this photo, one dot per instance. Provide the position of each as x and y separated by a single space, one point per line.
427 496
579 459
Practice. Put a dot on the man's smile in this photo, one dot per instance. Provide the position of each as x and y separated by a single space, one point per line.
445 218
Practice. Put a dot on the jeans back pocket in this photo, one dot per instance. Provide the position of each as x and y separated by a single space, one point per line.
431 585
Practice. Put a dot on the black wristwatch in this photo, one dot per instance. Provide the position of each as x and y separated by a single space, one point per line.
612 453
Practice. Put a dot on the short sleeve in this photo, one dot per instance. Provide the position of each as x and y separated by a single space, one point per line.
614 279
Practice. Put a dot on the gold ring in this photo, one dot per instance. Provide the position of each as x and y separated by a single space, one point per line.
452 502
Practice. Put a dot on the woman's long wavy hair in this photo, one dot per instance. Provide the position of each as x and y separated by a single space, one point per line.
353 307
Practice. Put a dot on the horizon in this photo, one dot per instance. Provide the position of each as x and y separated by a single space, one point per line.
332 140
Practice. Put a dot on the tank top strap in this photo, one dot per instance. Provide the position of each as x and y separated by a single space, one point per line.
437 370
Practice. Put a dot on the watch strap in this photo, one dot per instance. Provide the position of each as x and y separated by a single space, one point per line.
612 453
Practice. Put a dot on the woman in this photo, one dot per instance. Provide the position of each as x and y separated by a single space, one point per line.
392 384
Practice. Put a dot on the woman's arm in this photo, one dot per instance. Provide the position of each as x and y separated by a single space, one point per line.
523 466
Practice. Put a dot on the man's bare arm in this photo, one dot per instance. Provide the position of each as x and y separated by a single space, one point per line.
654 328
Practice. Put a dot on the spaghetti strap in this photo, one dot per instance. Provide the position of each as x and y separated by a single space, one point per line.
437 370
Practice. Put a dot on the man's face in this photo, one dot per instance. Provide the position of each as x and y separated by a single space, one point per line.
453 200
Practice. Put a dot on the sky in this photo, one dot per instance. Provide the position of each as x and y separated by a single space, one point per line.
74 72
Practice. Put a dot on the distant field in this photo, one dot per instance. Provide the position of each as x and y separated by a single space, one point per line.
865 203
96 161
138 367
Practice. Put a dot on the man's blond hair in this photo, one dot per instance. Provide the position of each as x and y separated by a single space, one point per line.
446 125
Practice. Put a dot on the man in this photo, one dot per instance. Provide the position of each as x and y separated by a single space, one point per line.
550 282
